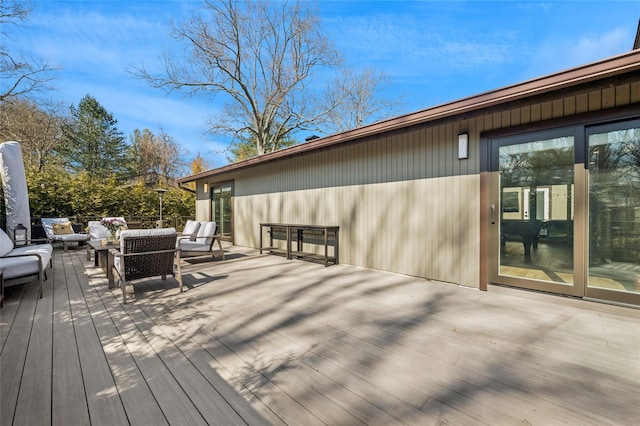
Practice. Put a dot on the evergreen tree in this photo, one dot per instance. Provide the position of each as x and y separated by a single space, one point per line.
92 142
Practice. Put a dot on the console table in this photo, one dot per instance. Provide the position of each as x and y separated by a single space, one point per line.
302 234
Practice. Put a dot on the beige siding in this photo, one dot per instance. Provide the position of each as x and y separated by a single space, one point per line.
403 201
392 233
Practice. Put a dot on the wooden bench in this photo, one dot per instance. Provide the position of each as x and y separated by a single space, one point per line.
304 235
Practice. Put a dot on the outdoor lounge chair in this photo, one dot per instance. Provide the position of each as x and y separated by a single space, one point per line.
146 253
61 230
203 244
25 263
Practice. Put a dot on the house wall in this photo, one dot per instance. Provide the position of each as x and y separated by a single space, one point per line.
403 201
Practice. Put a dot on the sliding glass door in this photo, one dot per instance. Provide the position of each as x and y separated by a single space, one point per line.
222 208
565 211
614 210
535 228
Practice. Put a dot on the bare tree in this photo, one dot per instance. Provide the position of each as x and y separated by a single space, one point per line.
37 128
357 99
261 56
19 74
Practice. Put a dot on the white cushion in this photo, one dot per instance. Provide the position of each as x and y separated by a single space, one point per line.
6 245
100 232
47 224
188 245
191 228
21 266
97 231
147 232
143 233
71 237
206 232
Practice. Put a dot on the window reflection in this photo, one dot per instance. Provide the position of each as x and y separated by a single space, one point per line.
614 210
536 226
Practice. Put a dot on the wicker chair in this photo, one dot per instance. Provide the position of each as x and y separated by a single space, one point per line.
146 253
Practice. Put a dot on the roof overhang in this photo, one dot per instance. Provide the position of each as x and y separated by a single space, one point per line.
609 67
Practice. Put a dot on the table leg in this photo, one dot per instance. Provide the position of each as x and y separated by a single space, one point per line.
110 259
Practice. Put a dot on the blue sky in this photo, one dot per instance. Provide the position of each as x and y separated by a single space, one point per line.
432 51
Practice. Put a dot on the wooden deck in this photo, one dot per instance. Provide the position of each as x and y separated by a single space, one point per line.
258 339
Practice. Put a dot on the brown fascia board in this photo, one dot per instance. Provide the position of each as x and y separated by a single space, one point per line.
609 67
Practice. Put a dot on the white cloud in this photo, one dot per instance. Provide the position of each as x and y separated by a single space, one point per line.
408 45
558 54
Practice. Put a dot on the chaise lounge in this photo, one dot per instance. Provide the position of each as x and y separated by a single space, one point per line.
61 230
23 264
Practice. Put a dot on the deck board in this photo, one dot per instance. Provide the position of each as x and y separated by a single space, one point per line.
34 402
258 339
14 353
68 392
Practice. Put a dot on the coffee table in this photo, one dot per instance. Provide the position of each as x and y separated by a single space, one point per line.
103 258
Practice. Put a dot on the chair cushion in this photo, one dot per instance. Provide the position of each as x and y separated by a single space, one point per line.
21 266
98 231
206 232
62 228
6 245
143 233
47 224
188 245
191 228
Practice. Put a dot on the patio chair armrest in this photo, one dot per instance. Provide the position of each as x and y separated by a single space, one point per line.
39 256
35 241
115 252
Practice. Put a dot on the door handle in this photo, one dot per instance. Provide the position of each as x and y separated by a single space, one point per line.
493 214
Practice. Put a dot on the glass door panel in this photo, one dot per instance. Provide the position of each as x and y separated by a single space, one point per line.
222 208
614 210
536 190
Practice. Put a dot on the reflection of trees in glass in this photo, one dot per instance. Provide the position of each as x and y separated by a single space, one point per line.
535 164
614 191
548 167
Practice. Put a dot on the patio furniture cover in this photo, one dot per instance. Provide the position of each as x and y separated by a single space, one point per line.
14 183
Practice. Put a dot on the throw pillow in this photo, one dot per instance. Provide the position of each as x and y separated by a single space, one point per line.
6 245
62 228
